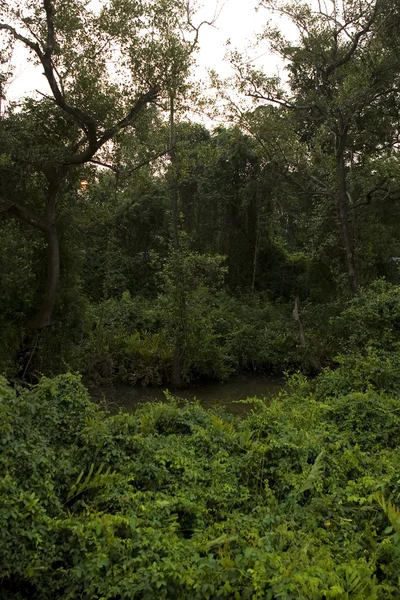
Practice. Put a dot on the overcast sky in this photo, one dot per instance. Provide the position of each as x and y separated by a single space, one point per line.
238 21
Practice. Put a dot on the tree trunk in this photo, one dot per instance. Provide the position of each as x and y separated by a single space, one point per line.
343 209
176 379
296 316
175 183
43 317
342 203
256 241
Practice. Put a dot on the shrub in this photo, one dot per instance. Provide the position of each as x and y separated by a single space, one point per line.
182 503
371 319
132 339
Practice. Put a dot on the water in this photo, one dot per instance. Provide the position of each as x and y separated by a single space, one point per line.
209 395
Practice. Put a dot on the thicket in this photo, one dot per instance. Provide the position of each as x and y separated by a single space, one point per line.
141 246
298 500
248 247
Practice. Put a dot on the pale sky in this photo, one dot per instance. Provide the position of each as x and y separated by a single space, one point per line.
237 21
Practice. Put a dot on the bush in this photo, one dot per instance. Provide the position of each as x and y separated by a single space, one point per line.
132 339
261 335
371 319
359 328
183 503
362 371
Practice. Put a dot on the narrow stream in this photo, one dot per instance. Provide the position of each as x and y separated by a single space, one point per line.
226 394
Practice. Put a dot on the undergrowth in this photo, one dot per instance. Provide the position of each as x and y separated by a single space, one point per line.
298 500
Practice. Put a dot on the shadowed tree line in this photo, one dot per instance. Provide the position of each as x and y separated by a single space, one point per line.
140 245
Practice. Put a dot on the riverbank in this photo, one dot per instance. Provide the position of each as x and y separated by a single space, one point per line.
230 394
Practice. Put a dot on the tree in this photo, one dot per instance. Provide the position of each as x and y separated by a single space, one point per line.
179 60
339 72
74 45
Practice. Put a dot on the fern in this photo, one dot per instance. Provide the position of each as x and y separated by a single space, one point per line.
354 584
92 480
390 510
314 475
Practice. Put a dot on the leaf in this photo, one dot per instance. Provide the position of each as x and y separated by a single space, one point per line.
223 539
314 475
90 481
390 510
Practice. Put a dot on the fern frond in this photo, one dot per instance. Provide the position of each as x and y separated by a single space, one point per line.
390 510
91 481
314 475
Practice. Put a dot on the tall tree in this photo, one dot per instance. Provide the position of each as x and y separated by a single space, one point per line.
75 46
179 59
338 71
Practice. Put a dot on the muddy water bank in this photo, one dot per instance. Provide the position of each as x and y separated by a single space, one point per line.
209 395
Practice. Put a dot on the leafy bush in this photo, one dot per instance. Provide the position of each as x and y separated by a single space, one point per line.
359 328
371 319
121 342
132 339
260 334
183 503
370 369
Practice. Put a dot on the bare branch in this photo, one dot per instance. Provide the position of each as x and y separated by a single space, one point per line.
45 96
32 45
356 40
104 164
269 98
148 161
196 29
129 170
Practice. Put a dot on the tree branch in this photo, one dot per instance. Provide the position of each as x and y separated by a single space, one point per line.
148 161
84 120
269 98
129 119
32 45
368 197
50 27
128 170
24 214
211 23
345 59
104 164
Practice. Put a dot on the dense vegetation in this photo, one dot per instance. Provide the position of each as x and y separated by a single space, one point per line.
151 234
171 502
141 246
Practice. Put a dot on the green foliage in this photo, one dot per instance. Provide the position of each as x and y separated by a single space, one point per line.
372 319
131 339
179 502
261 189
360 334
298 500
260 334
115 349
187 309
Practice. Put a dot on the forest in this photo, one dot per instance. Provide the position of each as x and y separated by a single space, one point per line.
161 230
